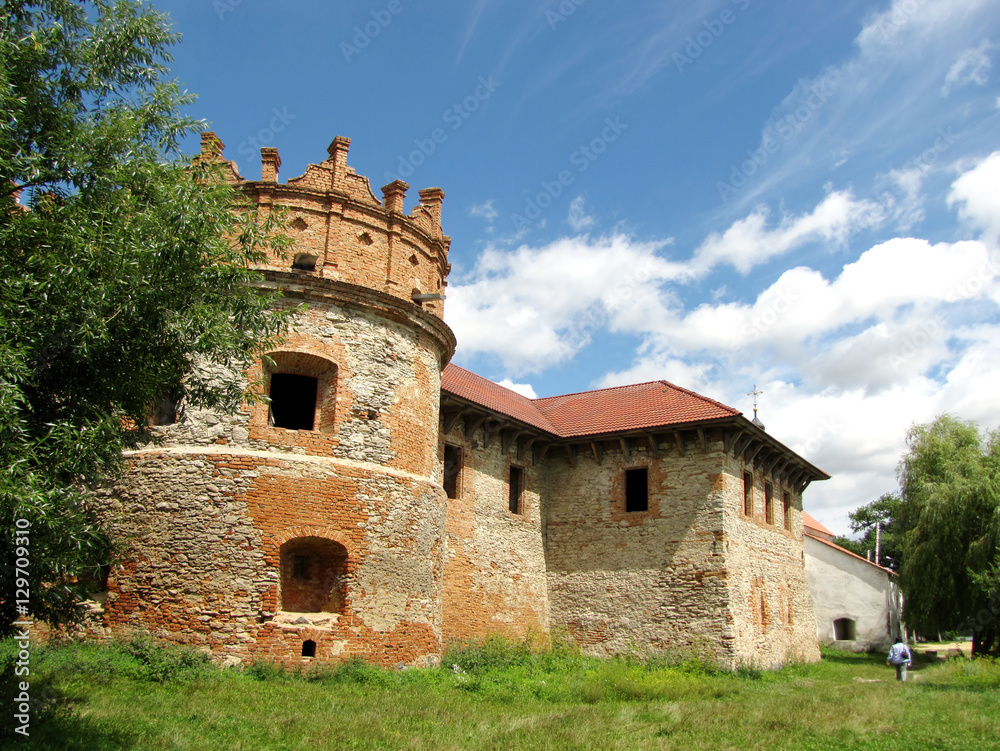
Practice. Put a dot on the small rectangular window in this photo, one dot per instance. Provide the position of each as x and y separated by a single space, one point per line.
300 567
515 488
768 503
747 494
293 401
452 469
637 489
786 508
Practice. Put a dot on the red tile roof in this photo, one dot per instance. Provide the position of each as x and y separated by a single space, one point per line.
815 528
642 405
467 385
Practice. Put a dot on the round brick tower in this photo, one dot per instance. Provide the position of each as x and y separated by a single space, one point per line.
312 526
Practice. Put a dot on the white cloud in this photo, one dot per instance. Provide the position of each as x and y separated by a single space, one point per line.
900 193
977 196
524 389
972 66
486 210
749 241
536 307
578 219
906 331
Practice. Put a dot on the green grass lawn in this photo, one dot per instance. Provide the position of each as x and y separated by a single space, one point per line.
502 696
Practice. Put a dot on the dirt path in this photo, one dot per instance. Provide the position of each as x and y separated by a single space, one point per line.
945 648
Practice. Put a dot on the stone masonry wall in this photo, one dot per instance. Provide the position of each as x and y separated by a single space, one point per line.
207 510
639 581
495 564
385 407
203 534
769 595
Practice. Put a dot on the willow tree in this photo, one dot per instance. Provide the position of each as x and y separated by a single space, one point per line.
123 262
950 480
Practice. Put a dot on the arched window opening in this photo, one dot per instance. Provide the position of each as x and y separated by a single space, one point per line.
302 389
293 401
305 262
845 629
313 575
308 648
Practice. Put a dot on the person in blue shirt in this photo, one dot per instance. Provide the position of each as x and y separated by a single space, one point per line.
900 658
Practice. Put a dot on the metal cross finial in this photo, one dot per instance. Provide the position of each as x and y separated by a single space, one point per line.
755 393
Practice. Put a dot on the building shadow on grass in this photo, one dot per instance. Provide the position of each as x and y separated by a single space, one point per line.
55 724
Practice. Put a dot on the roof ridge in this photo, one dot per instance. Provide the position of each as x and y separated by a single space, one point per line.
597 391
606 388
702 397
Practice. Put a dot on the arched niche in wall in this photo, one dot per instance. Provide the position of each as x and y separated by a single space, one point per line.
313 575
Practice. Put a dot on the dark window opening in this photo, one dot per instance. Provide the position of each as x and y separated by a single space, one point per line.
637 489
452 469
786 508
300 567
768 503
845 629
516 487
747 494
164 412
293 401
304 262
308 648
164 409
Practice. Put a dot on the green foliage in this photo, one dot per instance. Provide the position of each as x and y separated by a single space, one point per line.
128 267
140 658
884 511
494 652
950 513
847 701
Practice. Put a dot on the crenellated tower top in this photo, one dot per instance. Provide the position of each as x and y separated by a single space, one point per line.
343 232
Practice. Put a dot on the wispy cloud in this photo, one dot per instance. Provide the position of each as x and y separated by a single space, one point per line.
972 66
863 110
485 210
578 218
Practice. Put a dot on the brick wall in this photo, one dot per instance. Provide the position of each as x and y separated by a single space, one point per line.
495 564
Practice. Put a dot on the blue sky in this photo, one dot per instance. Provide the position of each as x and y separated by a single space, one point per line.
801 196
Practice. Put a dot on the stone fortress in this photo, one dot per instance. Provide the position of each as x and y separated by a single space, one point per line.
385 503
